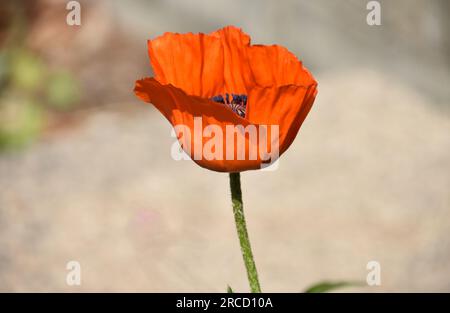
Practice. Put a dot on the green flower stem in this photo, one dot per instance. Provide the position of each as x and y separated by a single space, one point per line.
238 210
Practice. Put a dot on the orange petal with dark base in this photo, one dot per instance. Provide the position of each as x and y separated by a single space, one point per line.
181 109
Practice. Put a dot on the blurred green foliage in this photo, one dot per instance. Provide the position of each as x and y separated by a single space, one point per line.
62 90
26 70
20 121
28 90
327 286
29 87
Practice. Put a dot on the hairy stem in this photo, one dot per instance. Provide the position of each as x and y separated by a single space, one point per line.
238 210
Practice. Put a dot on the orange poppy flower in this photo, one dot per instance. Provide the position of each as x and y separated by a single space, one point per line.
227 82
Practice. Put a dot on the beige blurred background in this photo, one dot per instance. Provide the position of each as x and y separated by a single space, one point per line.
86 172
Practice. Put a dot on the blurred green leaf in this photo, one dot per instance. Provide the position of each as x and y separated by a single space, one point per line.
4 68
327 286
62 91
229 290
21 121
27 70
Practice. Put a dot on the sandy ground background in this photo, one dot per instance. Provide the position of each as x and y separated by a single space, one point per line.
366 179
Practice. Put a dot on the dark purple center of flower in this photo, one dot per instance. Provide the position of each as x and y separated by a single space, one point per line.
237 103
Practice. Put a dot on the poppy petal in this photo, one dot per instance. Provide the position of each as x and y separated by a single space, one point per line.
181 109
285 106
172 101
238 77
192 62
276 66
